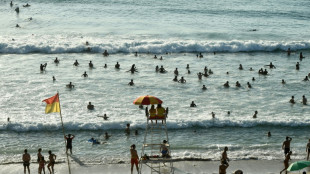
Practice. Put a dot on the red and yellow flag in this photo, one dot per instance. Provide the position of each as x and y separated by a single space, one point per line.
52 104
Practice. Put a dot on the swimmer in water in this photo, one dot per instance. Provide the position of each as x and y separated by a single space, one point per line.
193 104
238 84
84 75
90 64
155 57
136 54
249 85
292 100
175 79
162 69
131 83
240 67
76 63
204 87
106 135
117 65
283 81
288 51
306 78
255 114
17 26
253 79
301 56
105 53
200 55
226 84
105 66
70 85
156 68
297 66
90 106
27 5
87 43
304 100
199 75
213 114
188 71
56 60
133 69
187 66
182 80
176 72
105 117
54 79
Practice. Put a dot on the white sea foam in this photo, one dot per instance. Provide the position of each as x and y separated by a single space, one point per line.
66 44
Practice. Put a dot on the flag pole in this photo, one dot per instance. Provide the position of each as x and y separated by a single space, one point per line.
63 131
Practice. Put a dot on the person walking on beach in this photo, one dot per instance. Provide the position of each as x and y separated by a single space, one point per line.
69 139
26 161
286 164
222 168
287 145
134 158
52 159
308 149
224 155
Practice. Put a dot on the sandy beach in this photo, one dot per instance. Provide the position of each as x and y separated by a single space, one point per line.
197 167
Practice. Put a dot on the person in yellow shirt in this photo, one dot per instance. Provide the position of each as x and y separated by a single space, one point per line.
152 112
160 112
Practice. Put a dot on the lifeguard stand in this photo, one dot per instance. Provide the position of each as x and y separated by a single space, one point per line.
155 133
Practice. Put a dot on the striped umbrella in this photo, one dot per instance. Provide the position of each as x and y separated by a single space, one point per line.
147 100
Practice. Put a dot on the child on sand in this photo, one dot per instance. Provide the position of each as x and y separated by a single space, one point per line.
42 163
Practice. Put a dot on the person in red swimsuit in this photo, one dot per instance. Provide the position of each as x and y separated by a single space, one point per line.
134 157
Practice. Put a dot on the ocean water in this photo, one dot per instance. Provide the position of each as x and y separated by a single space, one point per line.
239 32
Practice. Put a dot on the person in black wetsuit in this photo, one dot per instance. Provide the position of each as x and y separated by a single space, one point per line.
69 139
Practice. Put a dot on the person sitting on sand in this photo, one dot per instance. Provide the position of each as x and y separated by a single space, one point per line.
90 64
84 75
76 63
70 85
56 60
226 84
193 104
42 163
152 112
286 164
306 78
90 106
176 72
249 85
127 130
131 83
297 66
292 100
175 79
255 114
134 158
52 158
162 69
117 65
240 67
26 161
222 168
283 81
106 135
304 100
308 150
164 150
287 145
204 87
224 157
182 80
105 53
238 84
54 79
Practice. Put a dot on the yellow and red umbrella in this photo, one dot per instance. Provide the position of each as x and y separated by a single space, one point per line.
147 100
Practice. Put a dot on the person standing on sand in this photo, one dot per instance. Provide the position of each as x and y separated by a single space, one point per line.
222 168
308 149
287 145
42 163
52 159
286 164
69 142
26 161
224 155
134 157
